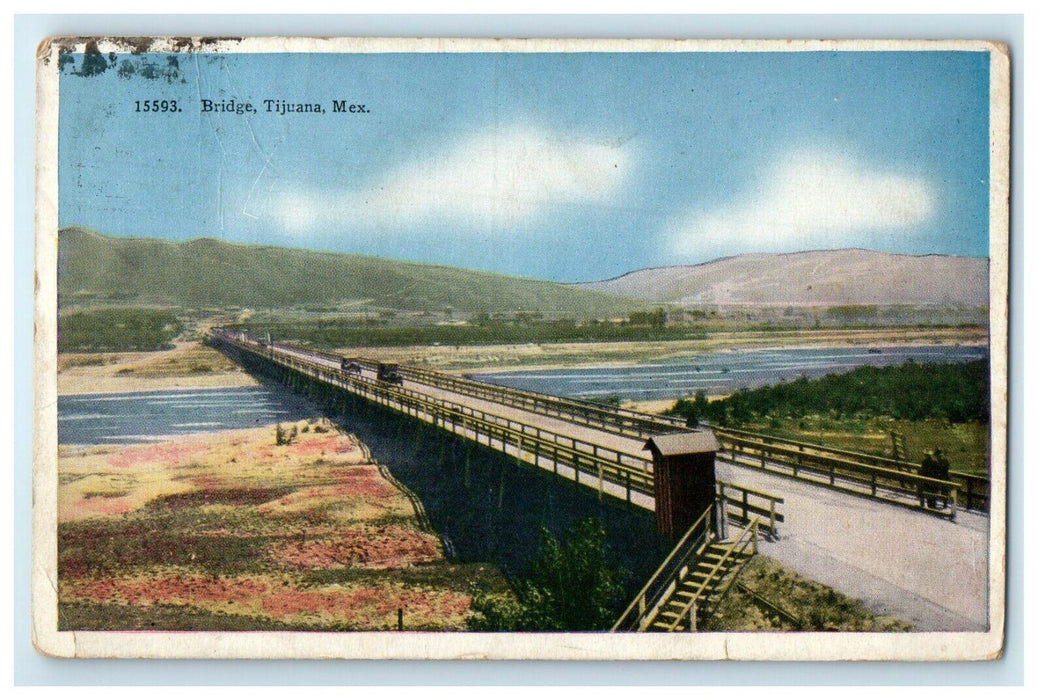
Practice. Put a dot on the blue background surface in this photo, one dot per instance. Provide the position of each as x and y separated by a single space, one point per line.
31 668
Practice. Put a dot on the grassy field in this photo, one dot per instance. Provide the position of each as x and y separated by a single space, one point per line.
919 406
232 532
792 603
117 329
964 444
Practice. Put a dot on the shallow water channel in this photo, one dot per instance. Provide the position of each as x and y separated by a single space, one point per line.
719 373
154 416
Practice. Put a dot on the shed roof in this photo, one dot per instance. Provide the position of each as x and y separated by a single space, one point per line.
683 443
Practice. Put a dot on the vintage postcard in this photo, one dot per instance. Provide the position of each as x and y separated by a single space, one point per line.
521 349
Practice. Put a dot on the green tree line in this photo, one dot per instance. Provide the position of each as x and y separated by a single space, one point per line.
331 334
911 391
117 330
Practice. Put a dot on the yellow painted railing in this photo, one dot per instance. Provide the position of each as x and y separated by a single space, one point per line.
666 579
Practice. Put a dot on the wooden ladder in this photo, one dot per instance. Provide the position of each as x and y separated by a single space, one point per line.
711 573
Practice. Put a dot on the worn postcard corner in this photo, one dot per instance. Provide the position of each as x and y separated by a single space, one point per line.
520 349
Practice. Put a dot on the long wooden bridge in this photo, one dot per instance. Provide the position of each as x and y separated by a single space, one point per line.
603 447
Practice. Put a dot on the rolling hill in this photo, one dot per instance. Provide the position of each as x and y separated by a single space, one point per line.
207 273
814 278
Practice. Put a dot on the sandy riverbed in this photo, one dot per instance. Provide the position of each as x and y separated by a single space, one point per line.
190 365
229 531
194 365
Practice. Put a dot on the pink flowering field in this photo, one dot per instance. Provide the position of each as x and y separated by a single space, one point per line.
230 531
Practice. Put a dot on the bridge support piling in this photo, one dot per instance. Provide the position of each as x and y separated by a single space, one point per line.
467 466
500 489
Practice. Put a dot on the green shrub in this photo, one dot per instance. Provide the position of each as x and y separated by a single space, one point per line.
571 588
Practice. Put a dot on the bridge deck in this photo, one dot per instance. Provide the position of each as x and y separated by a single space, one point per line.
621 443
922 568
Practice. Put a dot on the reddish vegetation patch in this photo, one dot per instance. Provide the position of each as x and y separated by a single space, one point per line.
359 483
260 558
368 607
332 444
105 505
368 602
169 589
205 483
350 487
167 454
386 547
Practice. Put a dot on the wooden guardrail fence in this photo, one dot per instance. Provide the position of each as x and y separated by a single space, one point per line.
545 448
619 420
742 504
973 490
900 487
607 467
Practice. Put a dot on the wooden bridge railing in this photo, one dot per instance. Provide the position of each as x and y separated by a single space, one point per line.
619 420
742 504
630 472
900 487
973 490
542 447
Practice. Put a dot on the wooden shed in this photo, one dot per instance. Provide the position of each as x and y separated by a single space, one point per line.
683 478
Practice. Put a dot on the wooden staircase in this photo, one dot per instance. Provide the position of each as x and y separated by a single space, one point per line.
704 585
687 588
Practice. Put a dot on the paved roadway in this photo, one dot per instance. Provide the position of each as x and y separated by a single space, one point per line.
924 569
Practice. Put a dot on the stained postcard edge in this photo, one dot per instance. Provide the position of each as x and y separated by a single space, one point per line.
751 646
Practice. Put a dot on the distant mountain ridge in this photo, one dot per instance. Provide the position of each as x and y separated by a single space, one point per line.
812 278
204 272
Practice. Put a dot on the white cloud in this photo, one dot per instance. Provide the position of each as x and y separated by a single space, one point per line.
297 212
809 200
499 177
494 178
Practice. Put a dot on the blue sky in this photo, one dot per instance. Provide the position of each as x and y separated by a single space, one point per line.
570 167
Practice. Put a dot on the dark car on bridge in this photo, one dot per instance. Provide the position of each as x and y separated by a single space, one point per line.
351 366
389 372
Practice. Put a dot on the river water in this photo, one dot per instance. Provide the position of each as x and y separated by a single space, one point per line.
719 372
152 416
